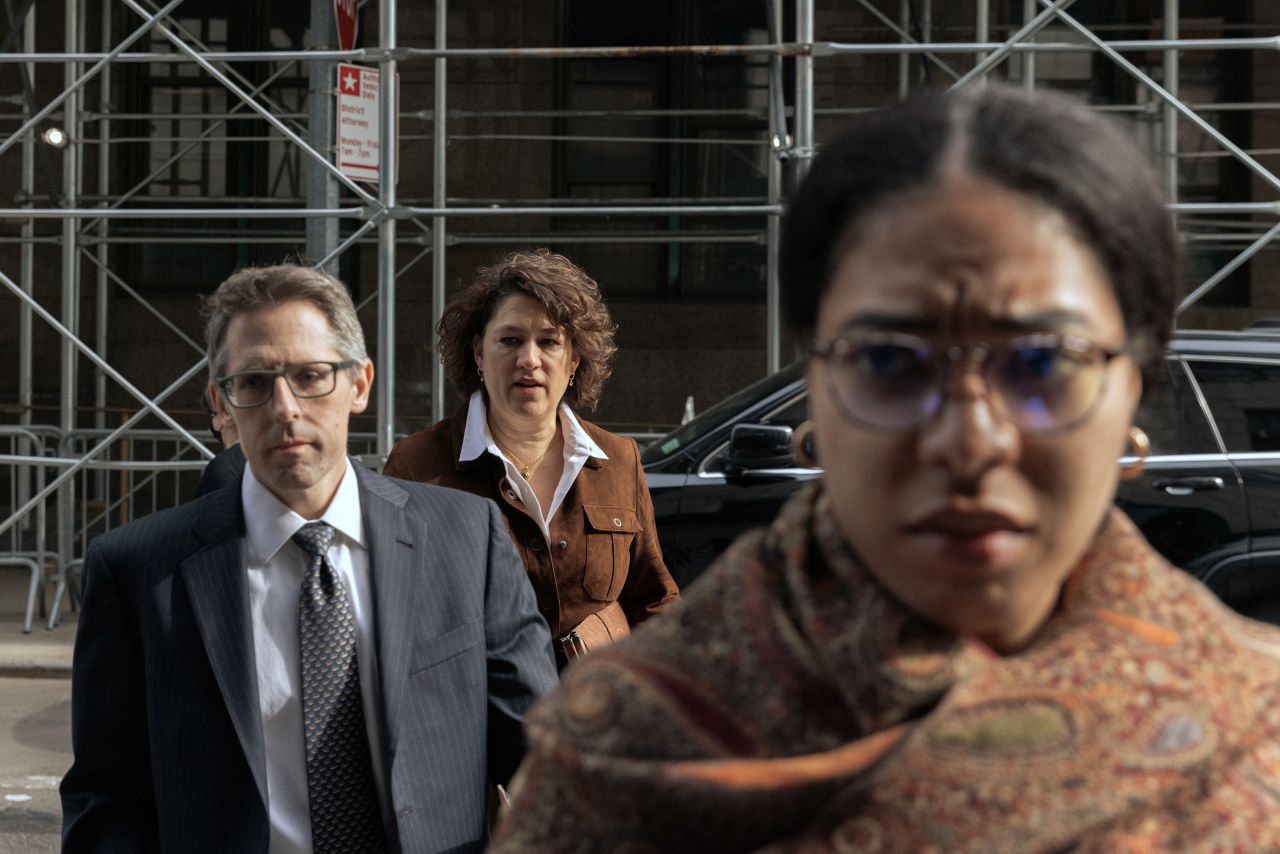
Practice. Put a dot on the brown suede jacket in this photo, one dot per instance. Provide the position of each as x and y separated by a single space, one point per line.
604 545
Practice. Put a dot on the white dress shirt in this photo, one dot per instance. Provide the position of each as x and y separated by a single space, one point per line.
275 567
578 446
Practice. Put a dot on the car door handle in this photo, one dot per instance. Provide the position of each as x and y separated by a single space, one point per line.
1187 485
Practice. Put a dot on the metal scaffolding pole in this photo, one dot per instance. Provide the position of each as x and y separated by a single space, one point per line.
1235 263
799 48
981 28
104 189
70 262
1029 60
922 47
75 85
804 89
322 189
1170 114
904 61
1168 98
246 98
439 174
1029 30
387 165
26 268
69 336
773 232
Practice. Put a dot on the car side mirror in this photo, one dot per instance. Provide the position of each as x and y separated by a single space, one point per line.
759 446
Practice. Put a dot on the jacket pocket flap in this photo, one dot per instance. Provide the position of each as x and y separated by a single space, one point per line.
449 644
614 520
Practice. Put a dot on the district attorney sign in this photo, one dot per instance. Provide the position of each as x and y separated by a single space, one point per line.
360 136
344 12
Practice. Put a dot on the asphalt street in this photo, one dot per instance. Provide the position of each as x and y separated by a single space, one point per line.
35 721
35 751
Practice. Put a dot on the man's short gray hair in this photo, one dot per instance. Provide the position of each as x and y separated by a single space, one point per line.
255 288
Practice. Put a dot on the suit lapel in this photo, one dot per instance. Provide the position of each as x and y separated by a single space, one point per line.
219 591
391 567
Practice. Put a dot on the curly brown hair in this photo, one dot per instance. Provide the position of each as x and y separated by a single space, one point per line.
571 298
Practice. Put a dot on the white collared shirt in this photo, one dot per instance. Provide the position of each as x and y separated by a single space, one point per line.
275 568
578 446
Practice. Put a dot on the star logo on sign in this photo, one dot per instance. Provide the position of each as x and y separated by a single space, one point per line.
351 84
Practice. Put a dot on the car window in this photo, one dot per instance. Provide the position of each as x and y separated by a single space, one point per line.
1244 399
1171 415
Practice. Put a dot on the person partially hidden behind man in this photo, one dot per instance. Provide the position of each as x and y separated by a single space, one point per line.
227 465
316 658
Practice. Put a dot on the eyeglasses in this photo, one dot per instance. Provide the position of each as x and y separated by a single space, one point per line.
1043 383
247 389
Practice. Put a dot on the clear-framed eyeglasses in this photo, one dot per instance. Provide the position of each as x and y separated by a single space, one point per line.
1042 383
247 389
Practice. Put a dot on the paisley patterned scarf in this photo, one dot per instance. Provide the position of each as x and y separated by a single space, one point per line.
790 704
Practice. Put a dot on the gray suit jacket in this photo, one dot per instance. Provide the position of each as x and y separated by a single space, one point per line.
165 722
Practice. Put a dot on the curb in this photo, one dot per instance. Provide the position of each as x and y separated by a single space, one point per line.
35 671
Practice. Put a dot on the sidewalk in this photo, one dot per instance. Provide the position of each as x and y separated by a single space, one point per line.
43 652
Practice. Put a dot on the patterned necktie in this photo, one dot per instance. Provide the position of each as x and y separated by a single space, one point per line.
345 816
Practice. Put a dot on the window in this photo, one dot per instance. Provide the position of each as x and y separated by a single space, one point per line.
1172 417
1244 399
198 144
689 128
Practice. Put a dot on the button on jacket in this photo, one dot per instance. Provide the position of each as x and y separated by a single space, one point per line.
603 545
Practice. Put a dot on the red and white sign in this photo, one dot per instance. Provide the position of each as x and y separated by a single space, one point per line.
359 139
344 13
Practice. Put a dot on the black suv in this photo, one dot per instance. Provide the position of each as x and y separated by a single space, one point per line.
1208 497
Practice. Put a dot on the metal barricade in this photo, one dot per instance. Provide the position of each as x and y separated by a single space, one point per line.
24 539
148 470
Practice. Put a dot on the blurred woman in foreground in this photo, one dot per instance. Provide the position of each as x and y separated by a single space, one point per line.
953 641
524 343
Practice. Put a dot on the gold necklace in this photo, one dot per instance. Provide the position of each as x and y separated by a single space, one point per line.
525 470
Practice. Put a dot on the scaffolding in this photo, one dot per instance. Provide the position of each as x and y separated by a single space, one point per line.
89 477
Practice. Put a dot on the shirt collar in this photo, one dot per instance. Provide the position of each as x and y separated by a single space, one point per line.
476 439
269 524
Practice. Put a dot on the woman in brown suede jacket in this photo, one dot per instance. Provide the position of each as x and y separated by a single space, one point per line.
526 340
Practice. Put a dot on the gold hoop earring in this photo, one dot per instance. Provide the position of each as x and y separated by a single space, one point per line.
802 447
1140 445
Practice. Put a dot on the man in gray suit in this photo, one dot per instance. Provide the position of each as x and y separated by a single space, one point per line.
315 658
